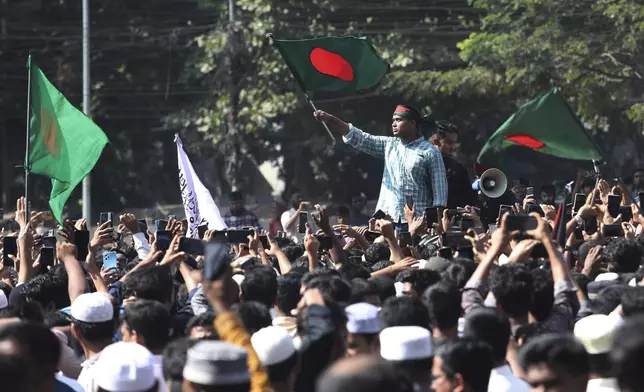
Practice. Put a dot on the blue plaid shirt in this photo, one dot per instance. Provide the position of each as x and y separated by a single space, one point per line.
414 169
246 219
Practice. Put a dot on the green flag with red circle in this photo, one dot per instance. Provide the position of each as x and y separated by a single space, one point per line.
546 125
336 65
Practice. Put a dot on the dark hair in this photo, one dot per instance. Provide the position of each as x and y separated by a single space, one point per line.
300 264
627 354
57 319
376 375
95 332
288 292
471 359
320 272
443 128
380 265
295 200
624 253
420 279
609 298
491 326
332 288
254 315
581 281
350 270
511 285
260 284
404 311
385 286
280 372
548 188
47 288
459 271
201 320
443 302
360 289
561 353
14 372
543 294
153 283
377 252
236 196
633 301
174 358
151 320
38 345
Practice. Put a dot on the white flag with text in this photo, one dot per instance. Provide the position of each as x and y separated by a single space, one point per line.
198 204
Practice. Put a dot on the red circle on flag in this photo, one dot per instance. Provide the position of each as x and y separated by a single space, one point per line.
527 141
331 64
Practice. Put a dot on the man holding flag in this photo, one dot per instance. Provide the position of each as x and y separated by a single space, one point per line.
413 167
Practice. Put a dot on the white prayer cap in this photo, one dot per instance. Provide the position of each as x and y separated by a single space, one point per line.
272 345
362 318
125 367
212 363
238 278
405 343
92 308
3 300
399 289
596 333
607 276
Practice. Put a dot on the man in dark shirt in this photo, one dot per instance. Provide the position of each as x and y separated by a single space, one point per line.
459 186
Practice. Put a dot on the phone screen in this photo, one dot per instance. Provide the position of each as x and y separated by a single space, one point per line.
613 231
503 209
446 253
466 224
466 251
238 236
46 257
613 205
404 239
191 246
371 235
10 247
263 239
520 222
326 242
216 260
410 201
529 192
303 218
379 214
626 213
641 200
431 216
201 231
590 225
81 240
455 239
143 225
109 260
48 241
580 200
106 217
160 224
163 240
535 208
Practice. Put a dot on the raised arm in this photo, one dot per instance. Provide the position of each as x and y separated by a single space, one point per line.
365 142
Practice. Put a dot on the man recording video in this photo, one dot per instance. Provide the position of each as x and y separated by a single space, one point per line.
413 167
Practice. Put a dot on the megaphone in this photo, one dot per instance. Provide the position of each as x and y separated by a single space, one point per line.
492 183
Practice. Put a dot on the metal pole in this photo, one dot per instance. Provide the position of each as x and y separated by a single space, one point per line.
27 147
323 123
231 10
87 196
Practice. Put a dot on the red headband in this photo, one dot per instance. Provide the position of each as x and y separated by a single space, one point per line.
401 109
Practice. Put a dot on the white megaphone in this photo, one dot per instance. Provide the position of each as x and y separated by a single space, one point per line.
492 183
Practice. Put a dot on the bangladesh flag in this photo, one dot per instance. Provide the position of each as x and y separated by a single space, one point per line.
547 125
64 143
343 65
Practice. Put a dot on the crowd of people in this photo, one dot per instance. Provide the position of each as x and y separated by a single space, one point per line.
337 299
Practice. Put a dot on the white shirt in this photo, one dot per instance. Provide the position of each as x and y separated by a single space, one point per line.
86 376
158 372
73 384
292 232
141 245
503 380
602 385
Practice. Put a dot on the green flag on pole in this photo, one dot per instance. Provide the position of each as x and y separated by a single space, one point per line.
546 125
65 144
343 65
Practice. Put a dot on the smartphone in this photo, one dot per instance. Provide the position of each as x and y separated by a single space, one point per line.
580 201
46 257
613 231
520 222
160 224
191 246
9 247
455 239
445 252
466 251
613 205
216 260
626 213
48 241
379 214
238 236
410 201
106 217
503 209
163 239
579 233
371 235
326 242
404 239
143 225
109 260
303 219
172 217
201 231
263 239
81 240
590 225
535 208
466 224
431 216
640 197
529 192
220 236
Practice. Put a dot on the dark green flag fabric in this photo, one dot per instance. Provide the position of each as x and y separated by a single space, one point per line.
343 65
547 125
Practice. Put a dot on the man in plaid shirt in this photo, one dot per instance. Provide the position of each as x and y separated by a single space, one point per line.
413 166
239 216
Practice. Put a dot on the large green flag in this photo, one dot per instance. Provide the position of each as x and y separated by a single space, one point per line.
64 143
547 125
343 65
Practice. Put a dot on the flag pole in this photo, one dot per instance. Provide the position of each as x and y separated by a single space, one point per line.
299 83
87 195
27 165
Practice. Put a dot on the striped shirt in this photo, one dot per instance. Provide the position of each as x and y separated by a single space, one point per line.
415 169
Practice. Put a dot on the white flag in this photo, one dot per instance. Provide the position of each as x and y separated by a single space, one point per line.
198 204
